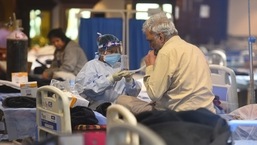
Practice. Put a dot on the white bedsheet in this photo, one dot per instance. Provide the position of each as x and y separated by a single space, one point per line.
10 84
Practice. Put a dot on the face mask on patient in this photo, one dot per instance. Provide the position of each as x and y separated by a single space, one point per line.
112 59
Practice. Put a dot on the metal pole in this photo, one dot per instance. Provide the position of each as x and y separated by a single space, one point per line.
251 39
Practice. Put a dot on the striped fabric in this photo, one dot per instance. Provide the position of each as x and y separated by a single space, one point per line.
83 127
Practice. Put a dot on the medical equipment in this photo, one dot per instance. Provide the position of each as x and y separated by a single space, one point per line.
17 50
224 86
138 70
53 112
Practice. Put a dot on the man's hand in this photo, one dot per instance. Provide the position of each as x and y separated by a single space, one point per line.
150 58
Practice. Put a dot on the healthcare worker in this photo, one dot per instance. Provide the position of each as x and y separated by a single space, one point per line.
102 78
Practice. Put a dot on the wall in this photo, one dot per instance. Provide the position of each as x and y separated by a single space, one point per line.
199 29
238 18
7 7
108 4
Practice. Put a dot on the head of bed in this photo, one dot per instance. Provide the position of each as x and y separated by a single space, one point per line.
54 119
53 112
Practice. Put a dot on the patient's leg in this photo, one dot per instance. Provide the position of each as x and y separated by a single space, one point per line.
134 104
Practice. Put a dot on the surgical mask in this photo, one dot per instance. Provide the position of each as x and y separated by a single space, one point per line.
111 59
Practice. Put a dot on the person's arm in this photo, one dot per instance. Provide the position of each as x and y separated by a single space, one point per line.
48 73
133 88
157 77
70 59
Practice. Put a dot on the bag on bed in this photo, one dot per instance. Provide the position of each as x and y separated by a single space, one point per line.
82 115
20 102
196 127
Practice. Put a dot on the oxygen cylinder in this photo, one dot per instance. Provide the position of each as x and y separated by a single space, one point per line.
17 51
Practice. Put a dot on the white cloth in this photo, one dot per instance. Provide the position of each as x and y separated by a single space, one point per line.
245 132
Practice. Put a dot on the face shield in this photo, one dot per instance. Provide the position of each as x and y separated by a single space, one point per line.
109 48
109 43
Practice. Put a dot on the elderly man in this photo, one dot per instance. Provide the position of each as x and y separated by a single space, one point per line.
177 73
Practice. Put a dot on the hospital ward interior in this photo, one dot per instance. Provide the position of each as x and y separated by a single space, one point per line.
93 72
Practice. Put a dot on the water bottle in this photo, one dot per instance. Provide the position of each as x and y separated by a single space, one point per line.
124 62
72 87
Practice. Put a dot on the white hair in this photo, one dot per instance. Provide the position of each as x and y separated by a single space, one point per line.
160 23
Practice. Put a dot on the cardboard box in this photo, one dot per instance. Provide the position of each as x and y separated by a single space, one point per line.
77 100
20 77
29 89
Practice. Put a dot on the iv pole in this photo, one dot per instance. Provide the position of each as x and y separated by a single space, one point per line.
251 40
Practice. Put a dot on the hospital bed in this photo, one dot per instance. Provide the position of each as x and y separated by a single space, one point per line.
241 120
53 119
16 123
20 123
225 86
53 114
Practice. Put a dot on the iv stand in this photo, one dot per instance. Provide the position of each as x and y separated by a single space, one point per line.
251 40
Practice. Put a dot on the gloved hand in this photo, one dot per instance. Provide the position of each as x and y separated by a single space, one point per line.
115 77
127 75
118 76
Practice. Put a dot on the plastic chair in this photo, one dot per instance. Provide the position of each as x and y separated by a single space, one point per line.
118 114
217 57
225 86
